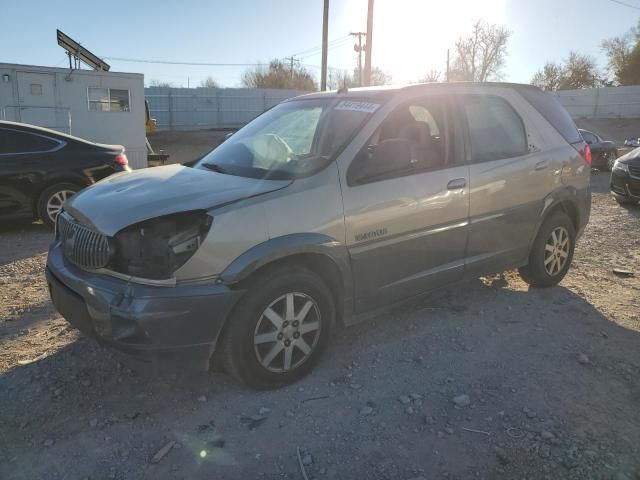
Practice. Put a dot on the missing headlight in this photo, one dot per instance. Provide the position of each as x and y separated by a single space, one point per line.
156 248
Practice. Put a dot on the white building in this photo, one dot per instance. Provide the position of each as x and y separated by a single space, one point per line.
104 107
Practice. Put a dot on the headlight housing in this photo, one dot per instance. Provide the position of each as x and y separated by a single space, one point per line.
156 248
621 167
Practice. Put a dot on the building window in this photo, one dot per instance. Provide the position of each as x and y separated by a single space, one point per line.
108 99
36 89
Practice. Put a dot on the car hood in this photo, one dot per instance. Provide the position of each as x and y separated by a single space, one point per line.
128 198
633 157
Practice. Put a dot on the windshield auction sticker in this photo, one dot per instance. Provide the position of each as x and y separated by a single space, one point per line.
364 107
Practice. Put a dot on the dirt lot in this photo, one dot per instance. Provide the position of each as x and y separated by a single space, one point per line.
547 385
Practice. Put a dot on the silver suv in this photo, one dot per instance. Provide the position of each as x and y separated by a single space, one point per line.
324 209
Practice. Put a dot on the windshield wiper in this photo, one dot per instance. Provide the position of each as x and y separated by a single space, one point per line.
215 168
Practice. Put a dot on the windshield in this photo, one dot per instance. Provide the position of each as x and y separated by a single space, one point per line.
293 139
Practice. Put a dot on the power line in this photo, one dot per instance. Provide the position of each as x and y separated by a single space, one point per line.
171 62
319 47
625 4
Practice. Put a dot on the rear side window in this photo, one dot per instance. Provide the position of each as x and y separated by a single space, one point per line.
496 131
550 108
15 141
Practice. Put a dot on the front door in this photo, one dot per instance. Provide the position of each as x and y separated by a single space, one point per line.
407 232
36 99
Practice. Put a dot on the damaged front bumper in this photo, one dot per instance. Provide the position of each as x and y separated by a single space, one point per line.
180 323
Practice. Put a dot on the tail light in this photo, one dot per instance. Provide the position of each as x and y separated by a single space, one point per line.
585 151
121 159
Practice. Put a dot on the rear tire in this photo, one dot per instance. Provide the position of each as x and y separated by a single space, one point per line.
551 253
280 328
51 200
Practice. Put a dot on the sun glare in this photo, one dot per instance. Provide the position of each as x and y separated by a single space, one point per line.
412 36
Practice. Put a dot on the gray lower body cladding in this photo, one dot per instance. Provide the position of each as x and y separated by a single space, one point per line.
156 323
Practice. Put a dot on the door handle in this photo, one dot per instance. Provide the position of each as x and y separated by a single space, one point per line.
541 165
456 184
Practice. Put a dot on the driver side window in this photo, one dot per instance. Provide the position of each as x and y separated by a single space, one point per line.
420 126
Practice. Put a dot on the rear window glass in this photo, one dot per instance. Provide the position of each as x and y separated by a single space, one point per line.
14 141
550 108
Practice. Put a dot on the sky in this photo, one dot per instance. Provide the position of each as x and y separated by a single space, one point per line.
410 37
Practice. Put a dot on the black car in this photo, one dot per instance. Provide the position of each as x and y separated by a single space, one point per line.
41 168
625 178
603 152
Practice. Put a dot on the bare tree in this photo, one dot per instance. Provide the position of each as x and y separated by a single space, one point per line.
431 76
580 71
345 79
480 56
380 77
279 75
550 77
577 71
160 83
209 82
341 79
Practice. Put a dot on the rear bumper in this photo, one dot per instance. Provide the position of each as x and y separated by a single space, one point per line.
180 323
624 185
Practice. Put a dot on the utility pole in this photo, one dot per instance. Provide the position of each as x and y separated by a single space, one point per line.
292 60
367 55
447 80
359 48
325 33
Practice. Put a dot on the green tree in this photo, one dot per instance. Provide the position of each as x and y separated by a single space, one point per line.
279 75
623 54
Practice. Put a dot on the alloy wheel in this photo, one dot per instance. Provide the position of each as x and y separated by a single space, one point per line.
54 204
287 332
556 251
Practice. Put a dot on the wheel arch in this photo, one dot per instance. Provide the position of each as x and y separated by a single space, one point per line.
320 253
79 181
564 200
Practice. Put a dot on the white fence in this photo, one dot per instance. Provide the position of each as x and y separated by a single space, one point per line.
606 102
193 108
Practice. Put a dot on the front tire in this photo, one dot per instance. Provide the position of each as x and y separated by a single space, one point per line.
552 252
280 328
51 200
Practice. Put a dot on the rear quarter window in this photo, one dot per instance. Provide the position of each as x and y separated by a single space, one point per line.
16 141
552 110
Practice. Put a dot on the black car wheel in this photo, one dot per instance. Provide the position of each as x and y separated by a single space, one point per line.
280 328
52 199
552 252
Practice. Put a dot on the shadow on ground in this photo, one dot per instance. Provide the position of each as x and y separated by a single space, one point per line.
530 361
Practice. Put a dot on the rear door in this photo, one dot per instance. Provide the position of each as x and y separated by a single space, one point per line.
406 233
509 176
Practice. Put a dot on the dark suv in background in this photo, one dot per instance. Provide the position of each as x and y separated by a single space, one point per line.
41 168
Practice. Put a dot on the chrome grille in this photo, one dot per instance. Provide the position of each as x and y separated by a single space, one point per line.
81 245
634 170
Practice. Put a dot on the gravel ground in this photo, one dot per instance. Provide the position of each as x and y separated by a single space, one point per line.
483 380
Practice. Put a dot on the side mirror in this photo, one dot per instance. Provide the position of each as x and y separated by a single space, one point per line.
389 156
